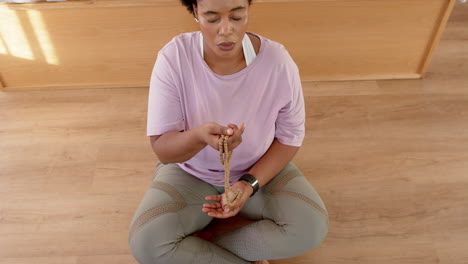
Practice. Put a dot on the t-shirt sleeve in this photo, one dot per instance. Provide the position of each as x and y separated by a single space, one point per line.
290 123
164 104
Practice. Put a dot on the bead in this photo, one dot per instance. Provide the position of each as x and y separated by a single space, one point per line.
230 195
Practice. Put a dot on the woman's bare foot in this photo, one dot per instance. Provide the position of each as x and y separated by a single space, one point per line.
208 236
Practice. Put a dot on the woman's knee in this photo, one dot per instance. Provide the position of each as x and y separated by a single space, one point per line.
298 204
314 232
155 226
305 219
306 233
153 242
312 222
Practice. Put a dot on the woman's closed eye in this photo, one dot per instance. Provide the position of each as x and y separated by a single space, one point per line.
217 19
212 20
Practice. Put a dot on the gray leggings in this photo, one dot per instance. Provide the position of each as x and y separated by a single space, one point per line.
292 220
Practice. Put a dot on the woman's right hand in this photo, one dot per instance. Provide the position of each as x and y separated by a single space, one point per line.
211 132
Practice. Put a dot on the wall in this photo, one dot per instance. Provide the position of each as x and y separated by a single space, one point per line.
114 43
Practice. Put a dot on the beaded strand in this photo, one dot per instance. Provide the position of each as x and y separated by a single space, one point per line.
230 195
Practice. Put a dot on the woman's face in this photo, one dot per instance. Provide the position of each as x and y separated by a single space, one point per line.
223 24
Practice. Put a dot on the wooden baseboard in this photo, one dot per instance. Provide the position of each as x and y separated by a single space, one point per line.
71 87
146 85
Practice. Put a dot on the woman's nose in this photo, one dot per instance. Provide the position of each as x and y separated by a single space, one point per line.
225 27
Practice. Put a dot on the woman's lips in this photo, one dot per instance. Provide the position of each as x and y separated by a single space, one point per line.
226 46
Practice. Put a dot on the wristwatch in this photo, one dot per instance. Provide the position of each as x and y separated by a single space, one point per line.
252 181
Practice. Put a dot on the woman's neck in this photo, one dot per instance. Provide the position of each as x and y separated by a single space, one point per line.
225 66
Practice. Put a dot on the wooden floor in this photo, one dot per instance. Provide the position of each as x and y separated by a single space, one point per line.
389 158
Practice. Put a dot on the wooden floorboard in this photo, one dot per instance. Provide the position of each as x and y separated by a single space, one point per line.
389 158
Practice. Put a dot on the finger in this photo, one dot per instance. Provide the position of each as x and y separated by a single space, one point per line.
235 140
209 210
239 131
233 126
212 205
213 198
213 212
217 129
242 128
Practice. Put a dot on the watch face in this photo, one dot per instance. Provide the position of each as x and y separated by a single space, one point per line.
251 179
253 182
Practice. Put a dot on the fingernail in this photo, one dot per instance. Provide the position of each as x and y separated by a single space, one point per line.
229 131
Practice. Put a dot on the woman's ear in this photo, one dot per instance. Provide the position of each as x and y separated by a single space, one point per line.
195 11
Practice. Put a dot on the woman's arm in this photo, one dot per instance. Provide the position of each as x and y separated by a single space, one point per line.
175 146
267 167
272 162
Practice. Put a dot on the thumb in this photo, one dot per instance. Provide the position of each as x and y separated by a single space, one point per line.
242 128
221 130
227 131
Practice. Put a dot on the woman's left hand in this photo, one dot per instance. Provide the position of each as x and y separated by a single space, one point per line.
218 210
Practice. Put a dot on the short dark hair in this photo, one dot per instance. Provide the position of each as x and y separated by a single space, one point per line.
189 5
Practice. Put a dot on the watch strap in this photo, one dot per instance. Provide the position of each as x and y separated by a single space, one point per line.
252 181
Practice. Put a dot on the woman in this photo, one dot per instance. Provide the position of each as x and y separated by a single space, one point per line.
224 81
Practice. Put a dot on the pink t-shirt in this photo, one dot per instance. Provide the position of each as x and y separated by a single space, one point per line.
266 95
